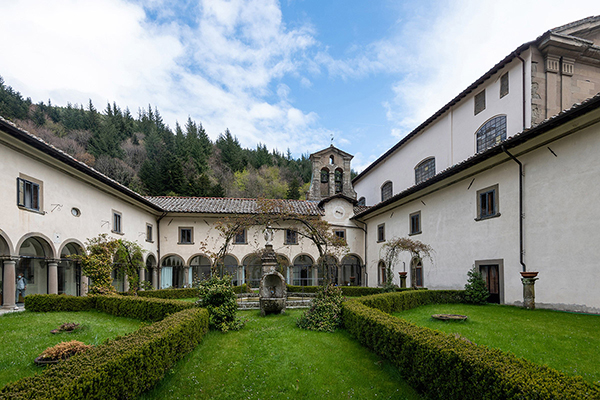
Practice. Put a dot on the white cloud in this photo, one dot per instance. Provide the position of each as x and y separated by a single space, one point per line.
448 52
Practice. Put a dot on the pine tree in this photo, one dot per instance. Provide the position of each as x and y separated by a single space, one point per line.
293 192
476 291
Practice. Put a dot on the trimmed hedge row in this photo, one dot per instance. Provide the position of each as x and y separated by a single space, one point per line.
146 309
446 367
121 368
352 291
184 293
58 302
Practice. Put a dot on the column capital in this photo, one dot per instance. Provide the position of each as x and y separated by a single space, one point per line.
9 258
53 260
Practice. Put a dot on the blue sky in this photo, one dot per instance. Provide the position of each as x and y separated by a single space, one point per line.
290 74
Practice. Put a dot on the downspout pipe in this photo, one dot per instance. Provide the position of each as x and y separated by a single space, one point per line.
521 216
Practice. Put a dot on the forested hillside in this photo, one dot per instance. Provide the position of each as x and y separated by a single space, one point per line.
143 153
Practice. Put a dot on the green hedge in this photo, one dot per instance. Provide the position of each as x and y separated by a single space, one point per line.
121 368
58 302
146 309
185 293
352 291
445 367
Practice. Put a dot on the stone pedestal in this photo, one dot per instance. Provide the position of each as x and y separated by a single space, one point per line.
528 279
402 279
272 290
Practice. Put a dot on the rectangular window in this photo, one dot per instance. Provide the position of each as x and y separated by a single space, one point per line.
240 237
186 236
149 232
341 234
480 102
504 85
117 226
381 233
487 203
291 236
415 223
28 194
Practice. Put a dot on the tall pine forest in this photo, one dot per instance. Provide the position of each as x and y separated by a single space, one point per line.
144 154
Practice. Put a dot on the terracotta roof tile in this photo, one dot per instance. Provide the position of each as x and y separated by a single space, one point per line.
217 205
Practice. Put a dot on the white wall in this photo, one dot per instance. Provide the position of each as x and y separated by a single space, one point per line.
450 138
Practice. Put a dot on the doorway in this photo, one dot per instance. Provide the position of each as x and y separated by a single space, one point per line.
491 275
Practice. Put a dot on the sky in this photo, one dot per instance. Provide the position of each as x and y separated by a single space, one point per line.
291 74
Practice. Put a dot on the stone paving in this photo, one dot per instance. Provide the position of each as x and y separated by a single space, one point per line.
20 307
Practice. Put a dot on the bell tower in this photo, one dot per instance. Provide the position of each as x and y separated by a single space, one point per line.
330 174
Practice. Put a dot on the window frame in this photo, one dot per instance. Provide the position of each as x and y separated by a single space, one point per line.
149 233
425 170
381 233
180 237
416 215
336 232
36 186
362 201
294 234
504 84
479 102
485 132
243 232
117 222
385 185
494 191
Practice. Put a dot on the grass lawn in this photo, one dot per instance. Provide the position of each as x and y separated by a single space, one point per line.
565 341
270 358
26 334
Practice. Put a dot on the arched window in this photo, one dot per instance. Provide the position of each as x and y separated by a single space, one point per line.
171 272
324 182
362 202
339 181
331 160
386 191
252 270
199 268
302 271
230 267
424 170
324 175
351 271
417 273
491 133
381 273
69 270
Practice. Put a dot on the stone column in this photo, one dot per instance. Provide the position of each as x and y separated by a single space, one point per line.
155 277
52 276
186 276
83 285
125 283
142 275
528 279
9 284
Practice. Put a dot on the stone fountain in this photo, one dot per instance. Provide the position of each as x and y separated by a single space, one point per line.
272 290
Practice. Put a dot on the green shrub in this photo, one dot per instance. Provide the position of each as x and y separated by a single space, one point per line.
217 295
243 288
445 367
325 314
185 293
352 291
120 368
146 309
58 302
476 291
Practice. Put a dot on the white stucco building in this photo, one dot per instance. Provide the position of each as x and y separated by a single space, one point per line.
502 178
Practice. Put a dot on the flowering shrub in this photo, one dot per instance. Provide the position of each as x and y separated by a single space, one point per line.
326 311
217 296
